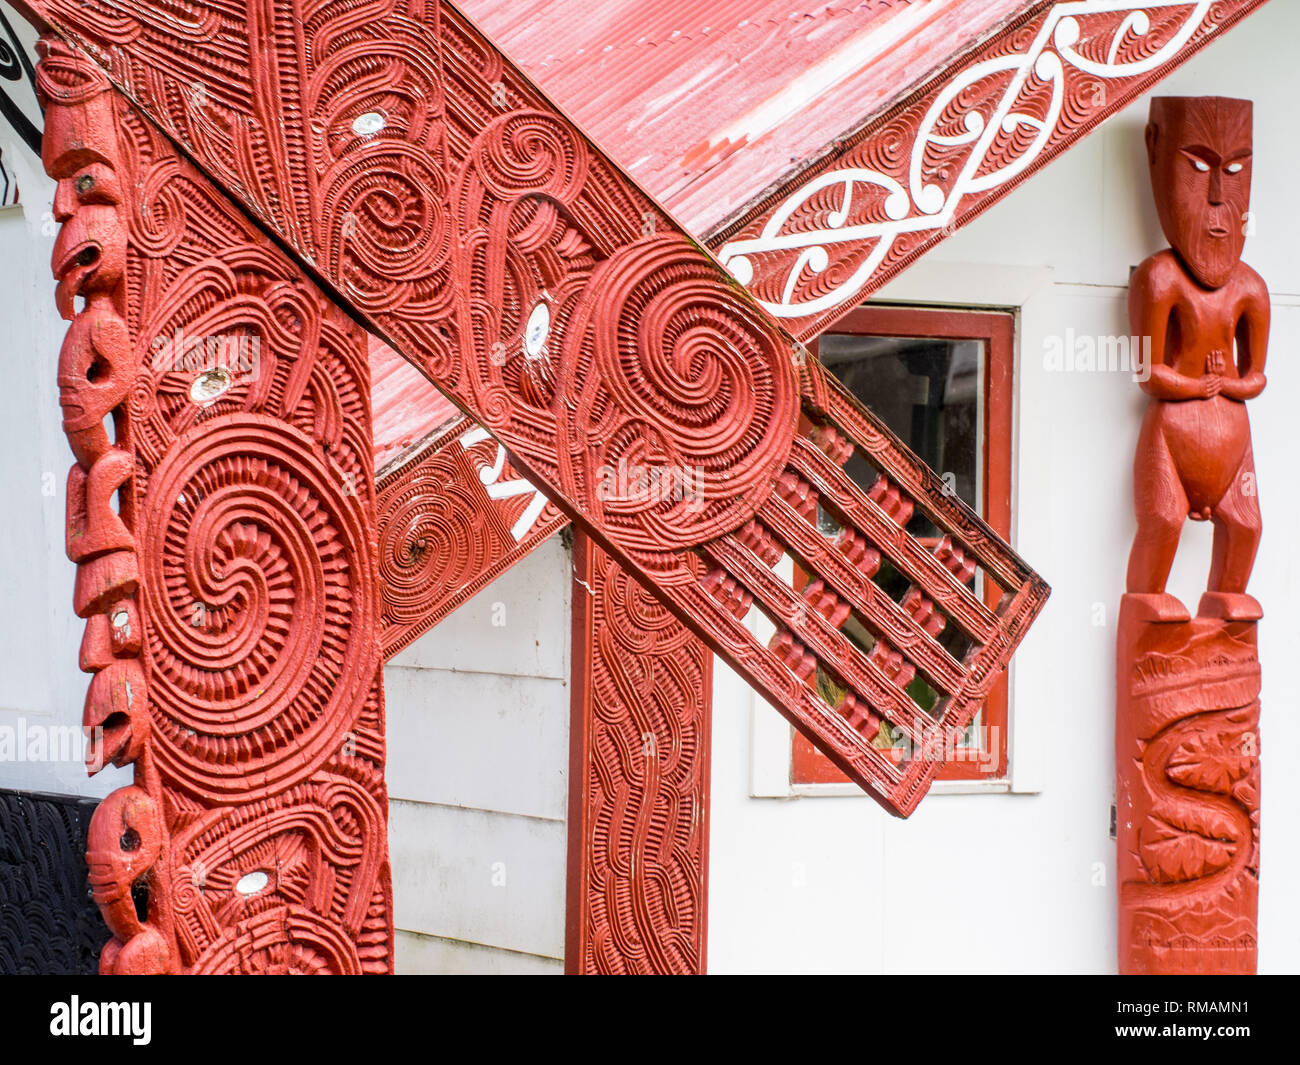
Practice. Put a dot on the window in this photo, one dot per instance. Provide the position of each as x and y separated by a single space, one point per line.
941 380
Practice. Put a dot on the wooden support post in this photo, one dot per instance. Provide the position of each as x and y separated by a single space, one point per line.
221 513
1187 728
638 779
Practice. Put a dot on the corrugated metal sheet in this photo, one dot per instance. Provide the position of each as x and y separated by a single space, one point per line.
707 102
406 407
704 102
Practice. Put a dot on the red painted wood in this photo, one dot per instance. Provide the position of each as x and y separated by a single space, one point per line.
1187 719
814 188
638 779
652 356
997 331
841 225
710 104
452 518
231 600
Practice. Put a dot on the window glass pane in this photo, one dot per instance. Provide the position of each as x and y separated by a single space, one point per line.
928 392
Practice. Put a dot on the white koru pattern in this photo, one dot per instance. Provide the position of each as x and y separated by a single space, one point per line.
921 207
490 476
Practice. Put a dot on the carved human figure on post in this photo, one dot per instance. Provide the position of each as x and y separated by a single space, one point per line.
1207 314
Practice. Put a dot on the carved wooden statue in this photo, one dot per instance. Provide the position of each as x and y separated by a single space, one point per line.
1187 730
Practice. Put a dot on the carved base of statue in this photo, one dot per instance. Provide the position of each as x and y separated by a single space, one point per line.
1187 791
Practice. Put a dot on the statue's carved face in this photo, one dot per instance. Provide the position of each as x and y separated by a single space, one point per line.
1199 149
90 250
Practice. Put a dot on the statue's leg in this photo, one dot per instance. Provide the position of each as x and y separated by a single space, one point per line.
1161 505
1237 529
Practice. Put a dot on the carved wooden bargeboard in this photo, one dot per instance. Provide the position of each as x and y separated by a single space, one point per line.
444 200
843 224
221 515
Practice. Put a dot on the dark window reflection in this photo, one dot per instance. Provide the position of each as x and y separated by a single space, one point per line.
928 392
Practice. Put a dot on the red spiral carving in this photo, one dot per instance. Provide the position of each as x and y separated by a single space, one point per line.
387 203
530 153
259 600
433 539
714 382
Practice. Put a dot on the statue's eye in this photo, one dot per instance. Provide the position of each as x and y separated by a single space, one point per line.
1201 165
1235 168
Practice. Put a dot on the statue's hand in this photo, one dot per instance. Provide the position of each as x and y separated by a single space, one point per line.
1246 388
1211 385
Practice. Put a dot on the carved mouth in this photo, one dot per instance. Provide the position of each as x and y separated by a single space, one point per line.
79 256
73 410
1218 232
80 261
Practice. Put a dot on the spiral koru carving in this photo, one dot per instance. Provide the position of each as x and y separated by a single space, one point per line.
311 860
714 385
257 584
222 530
529 153
435 537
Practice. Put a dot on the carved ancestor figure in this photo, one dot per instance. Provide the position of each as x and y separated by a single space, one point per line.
1198 301
1187 722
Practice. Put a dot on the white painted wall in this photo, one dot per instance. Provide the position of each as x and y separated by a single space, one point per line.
1009 882
478 755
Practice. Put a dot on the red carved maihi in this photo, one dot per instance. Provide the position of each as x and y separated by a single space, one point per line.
230 598
1187 729
401 157
843 224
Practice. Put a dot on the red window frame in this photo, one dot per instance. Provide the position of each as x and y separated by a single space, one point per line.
997 329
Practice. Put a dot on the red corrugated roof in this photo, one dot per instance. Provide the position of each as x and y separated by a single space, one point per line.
675 89
705 102
406 407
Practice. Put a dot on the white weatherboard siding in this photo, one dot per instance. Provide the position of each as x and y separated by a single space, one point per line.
478 747
1025 882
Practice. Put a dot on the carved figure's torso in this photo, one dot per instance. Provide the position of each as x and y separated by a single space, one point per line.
1208 435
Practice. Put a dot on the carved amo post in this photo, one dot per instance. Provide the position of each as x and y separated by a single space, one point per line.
1187 729
638 779
230 596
